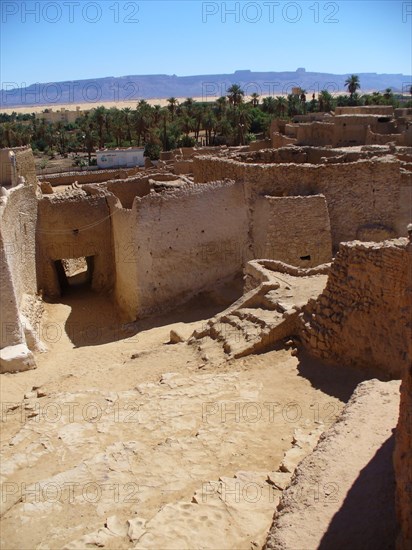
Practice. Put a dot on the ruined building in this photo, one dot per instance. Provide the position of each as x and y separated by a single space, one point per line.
319 234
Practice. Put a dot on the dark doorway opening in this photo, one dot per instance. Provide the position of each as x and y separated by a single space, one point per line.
306 258
74 272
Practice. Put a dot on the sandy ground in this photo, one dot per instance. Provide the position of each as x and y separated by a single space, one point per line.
119 439
108 104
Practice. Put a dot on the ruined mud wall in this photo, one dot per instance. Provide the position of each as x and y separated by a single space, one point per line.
403 462
8 172
358 194
293 230
127 189
178 244
25 164
127 269
93 176
363 316
72 226
18 215
315 133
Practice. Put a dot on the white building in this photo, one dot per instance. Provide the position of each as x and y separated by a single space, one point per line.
120 158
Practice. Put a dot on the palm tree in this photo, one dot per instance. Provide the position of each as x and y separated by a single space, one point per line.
235 94
255 99
325 101
188 105
126 116
388 95
209 123
281 105
220 107
99 117
173 103
352 83
156 113
142 119
303 100
187 124
269 105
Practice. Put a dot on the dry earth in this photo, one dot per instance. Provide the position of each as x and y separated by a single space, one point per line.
121 440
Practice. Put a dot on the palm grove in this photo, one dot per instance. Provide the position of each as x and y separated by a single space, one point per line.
230 120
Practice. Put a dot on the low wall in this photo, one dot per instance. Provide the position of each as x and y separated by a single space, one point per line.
183 166
88 177
382 139
363 316
383 110
279 140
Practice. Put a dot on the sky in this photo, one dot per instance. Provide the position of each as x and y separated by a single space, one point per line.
52 41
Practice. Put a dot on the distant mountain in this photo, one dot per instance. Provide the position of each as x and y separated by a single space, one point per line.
133 88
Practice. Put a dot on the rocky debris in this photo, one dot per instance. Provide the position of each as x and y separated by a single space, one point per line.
46 187
16 359
180 333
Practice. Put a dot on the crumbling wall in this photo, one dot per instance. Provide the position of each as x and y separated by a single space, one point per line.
363 316
18 214
127 189
293 230
183 166
279 140
8 171
403 462
25 164
315 133
93 176
180 243
358 194
73 225
373 138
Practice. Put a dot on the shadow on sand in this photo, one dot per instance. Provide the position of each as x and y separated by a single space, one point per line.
336 380
95 319
367 518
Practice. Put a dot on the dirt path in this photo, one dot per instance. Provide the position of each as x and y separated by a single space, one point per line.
123 430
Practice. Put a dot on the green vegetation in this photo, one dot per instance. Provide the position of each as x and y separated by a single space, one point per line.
229 120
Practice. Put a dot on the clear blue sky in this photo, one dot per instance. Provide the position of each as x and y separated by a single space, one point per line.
69 39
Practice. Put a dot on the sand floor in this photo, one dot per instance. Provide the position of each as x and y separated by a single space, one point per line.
119 439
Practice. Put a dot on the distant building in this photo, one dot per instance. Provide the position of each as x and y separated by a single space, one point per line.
62 115
120 158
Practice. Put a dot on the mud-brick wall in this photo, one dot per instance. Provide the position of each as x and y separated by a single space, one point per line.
358 194
74 226
363 316
18 258
294 230
127 269
8 172
184 242
403 446
25 164
403 463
